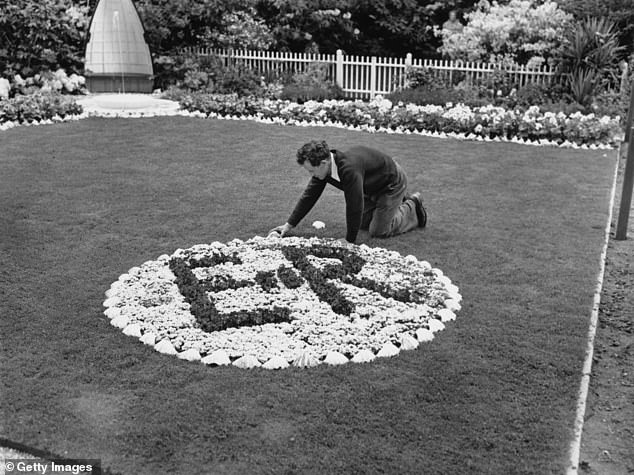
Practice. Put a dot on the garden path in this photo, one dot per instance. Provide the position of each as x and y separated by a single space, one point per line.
138 103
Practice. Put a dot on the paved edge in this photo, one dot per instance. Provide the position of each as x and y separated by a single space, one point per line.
575 446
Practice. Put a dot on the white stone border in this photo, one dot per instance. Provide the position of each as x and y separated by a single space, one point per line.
149 112
575 446
304 358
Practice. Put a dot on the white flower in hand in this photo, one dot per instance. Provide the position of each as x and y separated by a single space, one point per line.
280 231
344 242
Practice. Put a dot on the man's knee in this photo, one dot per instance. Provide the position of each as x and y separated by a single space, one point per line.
379 233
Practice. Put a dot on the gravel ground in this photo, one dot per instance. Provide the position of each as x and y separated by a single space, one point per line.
607 444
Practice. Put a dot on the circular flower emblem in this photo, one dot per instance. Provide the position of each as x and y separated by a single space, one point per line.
274 302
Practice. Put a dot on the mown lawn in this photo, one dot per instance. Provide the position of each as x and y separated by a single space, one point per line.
519 229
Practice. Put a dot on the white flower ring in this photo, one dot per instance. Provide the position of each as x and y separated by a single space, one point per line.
274 302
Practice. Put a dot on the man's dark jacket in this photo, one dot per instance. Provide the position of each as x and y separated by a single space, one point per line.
362 171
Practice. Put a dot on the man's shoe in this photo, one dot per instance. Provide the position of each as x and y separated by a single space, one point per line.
421 214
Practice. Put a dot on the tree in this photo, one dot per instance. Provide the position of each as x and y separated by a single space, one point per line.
173 24
305 25
240 30
521 31
39 35
361 27
393 27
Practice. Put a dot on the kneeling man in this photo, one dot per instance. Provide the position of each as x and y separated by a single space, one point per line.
374 186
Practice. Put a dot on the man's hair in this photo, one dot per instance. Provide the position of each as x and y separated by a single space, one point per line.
314 151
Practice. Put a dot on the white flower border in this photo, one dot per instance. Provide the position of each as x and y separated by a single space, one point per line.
146 303
149 112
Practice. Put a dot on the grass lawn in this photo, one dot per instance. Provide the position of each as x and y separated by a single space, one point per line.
518 228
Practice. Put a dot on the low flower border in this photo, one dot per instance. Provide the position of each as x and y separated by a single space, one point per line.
487 124
163 304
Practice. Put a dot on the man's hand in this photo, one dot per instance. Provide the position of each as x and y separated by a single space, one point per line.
280 231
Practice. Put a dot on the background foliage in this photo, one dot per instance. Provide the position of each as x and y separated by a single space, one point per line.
520 31
38 35
621 12
589 58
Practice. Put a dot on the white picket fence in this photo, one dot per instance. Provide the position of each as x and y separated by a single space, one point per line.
364 76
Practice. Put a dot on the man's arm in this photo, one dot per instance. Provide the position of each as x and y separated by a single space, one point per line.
354 206
311 194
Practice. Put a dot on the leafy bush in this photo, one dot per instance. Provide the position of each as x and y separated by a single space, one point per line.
174 93
170 70
240 30
424 86
588 59
518 30
48 81
174 24
40 35
416 78
209 74
322 25
532 94
301 94
434 96
38 106
611 103
497 84
618 11
311 84
235 79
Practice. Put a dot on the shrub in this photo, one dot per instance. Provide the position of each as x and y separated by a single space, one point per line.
532 94
588 59
301 94
618 11
416 78
48 81
311 84
425 86
240 30
38 106
611 103
40 35
194 73
497 84
519 30
426 95
235 79
174 93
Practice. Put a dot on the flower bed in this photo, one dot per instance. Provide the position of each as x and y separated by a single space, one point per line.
487 123
275 302
46 82
38 107
480 123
